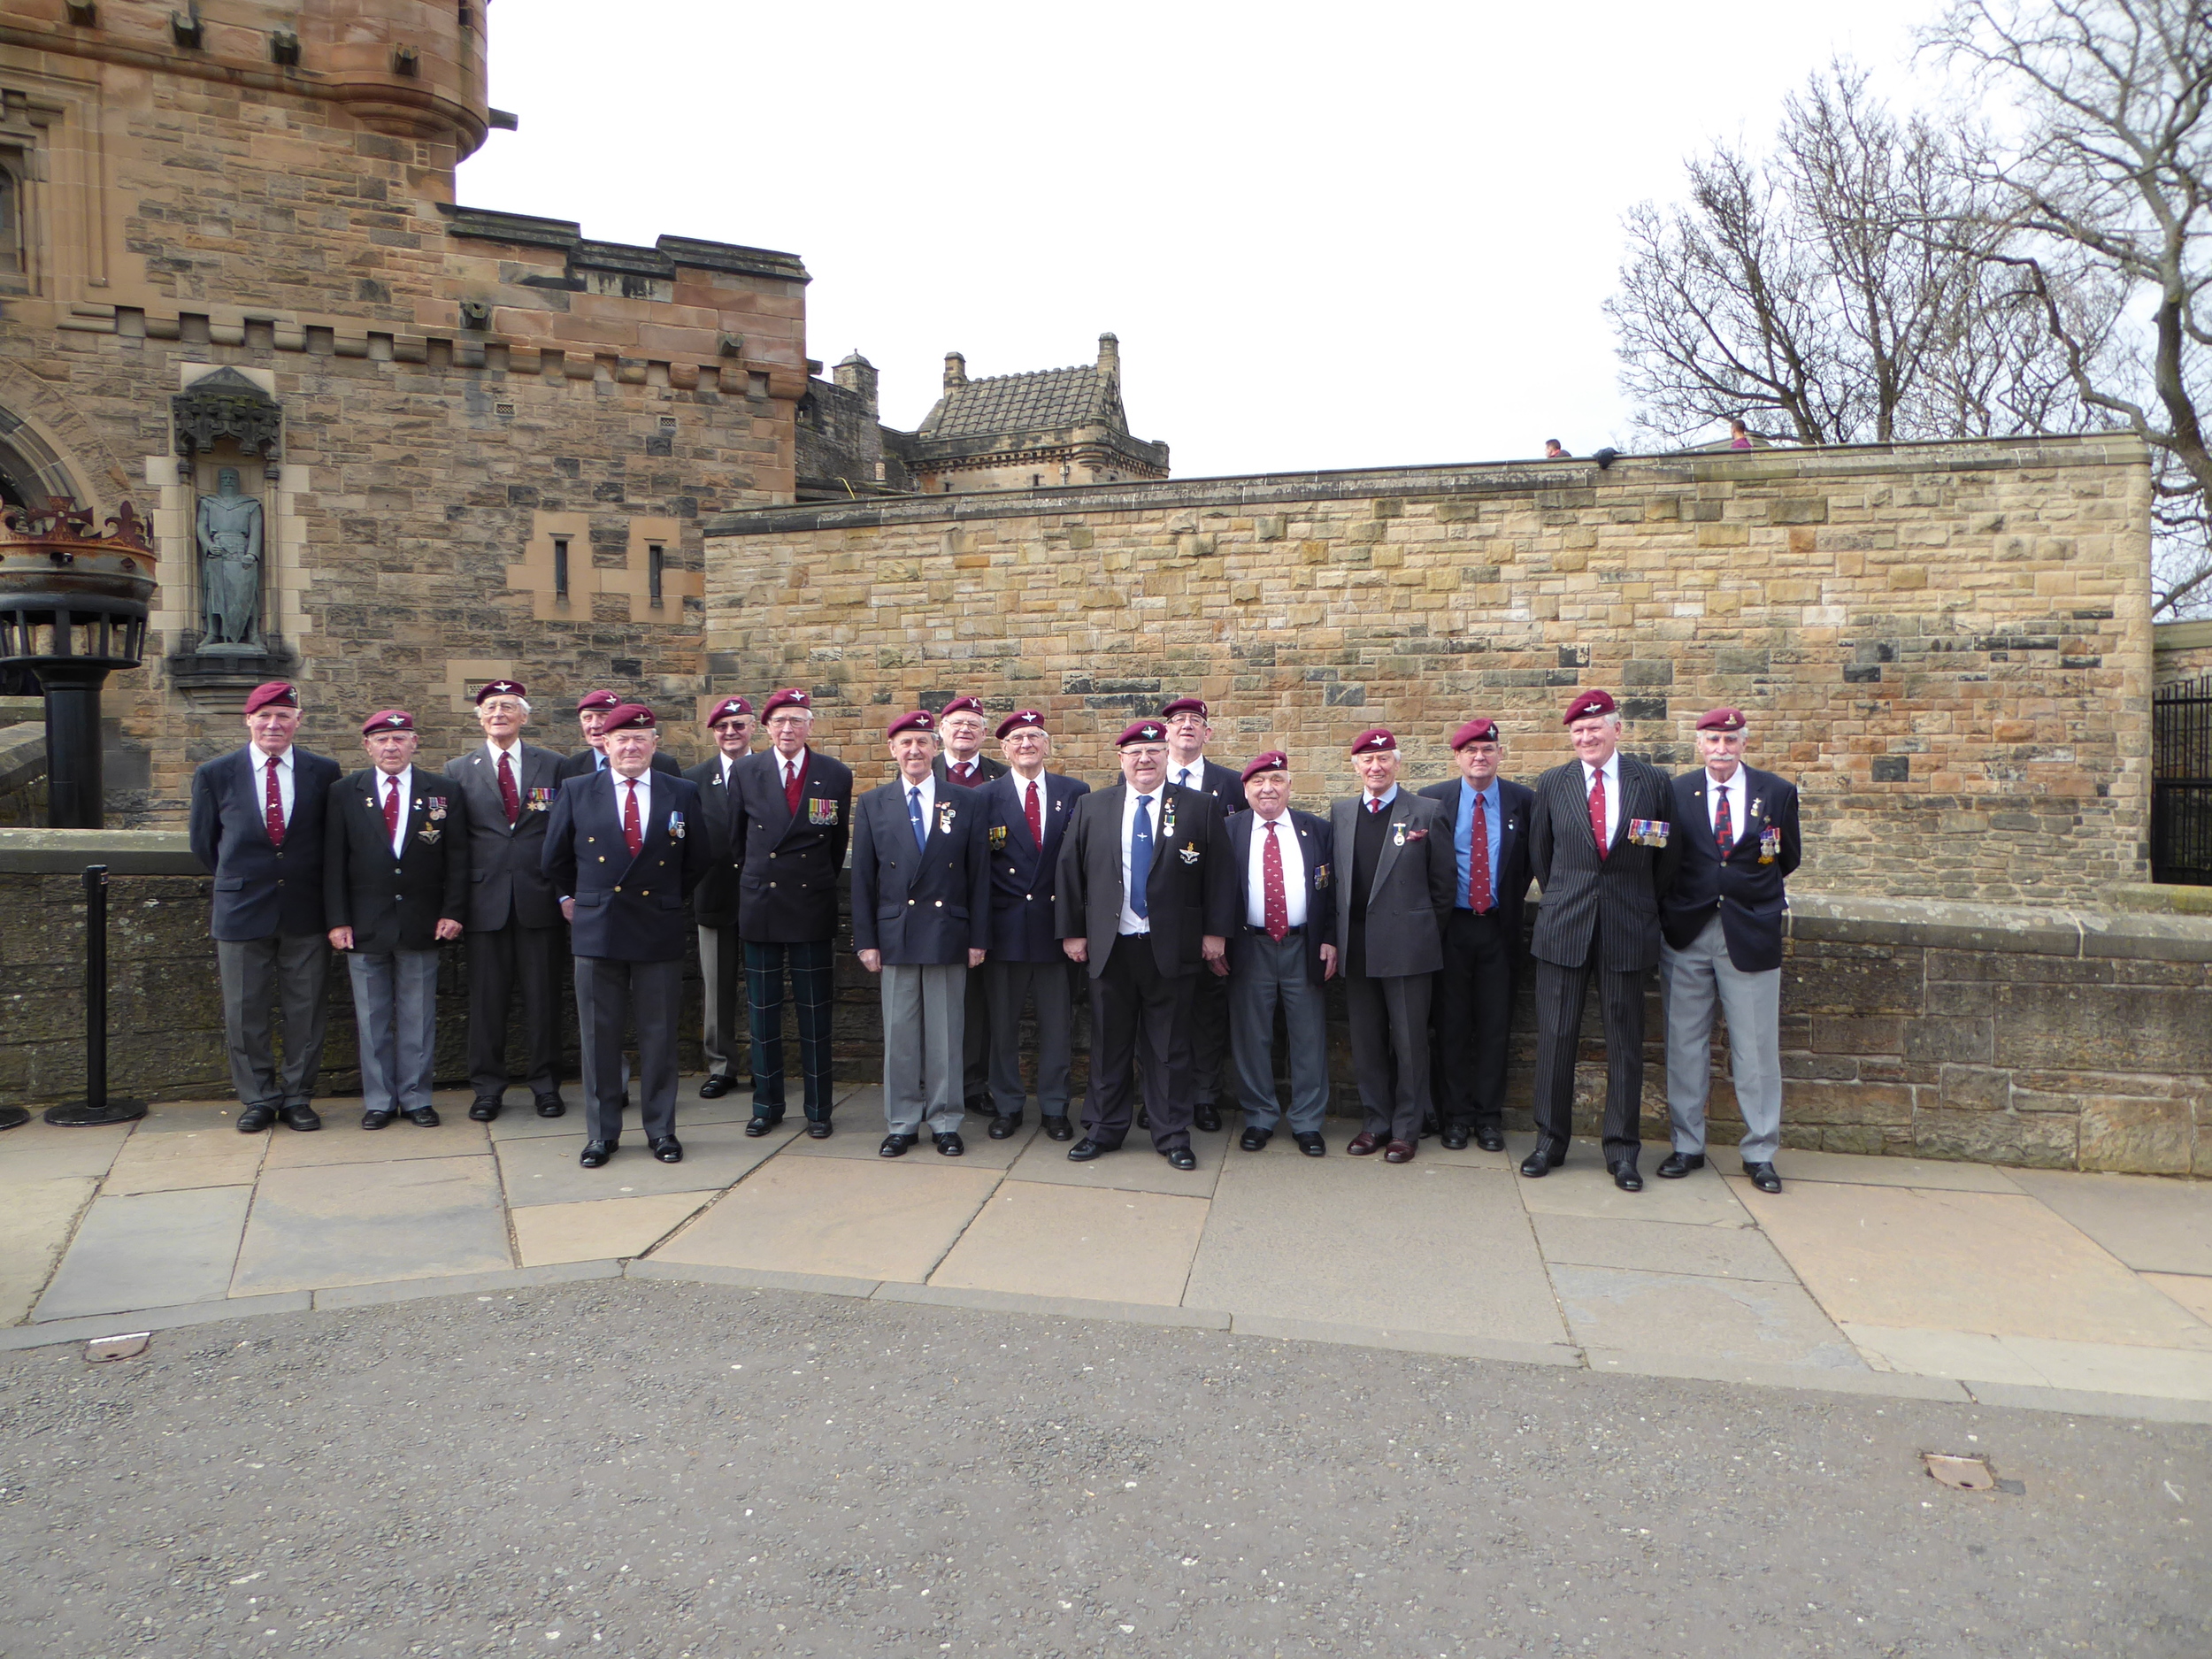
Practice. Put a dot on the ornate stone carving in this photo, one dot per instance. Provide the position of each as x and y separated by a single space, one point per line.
227 404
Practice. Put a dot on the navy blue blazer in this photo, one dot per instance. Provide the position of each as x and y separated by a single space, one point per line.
1317 845
1747 893
1511 889
714 903
788 865
926 906
260 889
627 910
1024 876
396 903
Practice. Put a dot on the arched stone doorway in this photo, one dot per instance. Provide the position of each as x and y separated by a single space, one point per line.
31 475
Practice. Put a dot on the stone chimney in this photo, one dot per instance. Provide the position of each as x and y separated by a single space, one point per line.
856 374
956 370
1110 358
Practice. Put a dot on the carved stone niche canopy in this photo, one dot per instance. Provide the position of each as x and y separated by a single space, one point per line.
227 404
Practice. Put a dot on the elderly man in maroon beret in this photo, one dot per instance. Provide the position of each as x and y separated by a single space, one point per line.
961 764
727 1014
592 710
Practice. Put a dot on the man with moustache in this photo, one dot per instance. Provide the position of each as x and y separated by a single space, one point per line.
1187 768
963 764
1026 814
396 881
592 710
922 921
727 1037
256 826
515 934
1603 847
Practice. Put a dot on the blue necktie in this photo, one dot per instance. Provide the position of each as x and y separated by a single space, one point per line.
914 811
1141 858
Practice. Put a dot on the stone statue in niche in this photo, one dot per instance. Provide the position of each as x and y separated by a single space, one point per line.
227 532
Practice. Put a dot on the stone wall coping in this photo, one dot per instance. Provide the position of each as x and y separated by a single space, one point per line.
2181 636
2004 929
55 852
22 755
1259 491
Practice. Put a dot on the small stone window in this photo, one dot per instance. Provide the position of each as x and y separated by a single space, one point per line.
12 251
560 567
656 561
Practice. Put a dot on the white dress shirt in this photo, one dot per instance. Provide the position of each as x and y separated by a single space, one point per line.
725 761
1739 820
282 763
1131 922
1021 797
928 787
1294 872
1378 802
784 768
644 796
1612 771
1190 776
513 752
403 781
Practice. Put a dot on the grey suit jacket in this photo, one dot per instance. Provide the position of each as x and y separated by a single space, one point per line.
505 880
1411 896
1616 898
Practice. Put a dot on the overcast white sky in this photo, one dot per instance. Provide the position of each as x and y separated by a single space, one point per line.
1327 236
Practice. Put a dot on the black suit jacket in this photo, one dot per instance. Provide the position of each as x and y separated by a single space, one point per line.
986 770
1024 876
1516 801
789 865
630 909
585 761
1580 889
1747 893
396 903
1402 930
715 902
506 876
261 889
1317 845
926 906
1192 892
1223 783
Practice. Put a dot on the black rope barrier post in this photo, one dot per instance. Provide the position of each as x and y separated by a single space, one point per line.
96 1107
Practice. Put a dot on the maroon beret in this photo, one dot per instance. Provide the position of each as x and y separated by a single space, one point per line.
1021 720
921 720
629 716
790 698
1589 702
1376 740
387 720
961 705
1721 720
281 693
1185 705
498 688
1274 760
1142 731
592 699
727 707
1476 731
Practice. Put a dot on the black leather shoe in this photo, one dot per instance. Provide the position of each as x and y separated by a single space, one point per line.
895 1145
949 1143
1455 1138
1625 1176
1144 1118
1543 1161
1429 1127
622 1101
375 1120
254 1119
1180 1157
424 1117
714 1087
1764 1178
1059 1129
1206 1115
1002 1128
550 1105
818 1129
300 1117
1490 1138
483 1109
668 1149
762 1125
1312 1145
595 1153
1084 1151
1255 1140
1675 1165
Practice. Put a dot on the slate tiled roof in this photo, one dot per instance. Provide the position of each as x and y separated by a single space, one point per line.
1043 401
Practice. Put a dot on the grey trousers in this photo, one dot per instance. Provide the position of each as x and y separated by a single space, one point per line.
925 1021
253 973
728 1038
1692 980
609 994
396 1011
1008 984
1390 1050
1272 975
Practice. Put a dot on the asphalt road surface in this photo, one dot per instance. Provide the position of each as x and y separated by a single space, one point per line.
643 1469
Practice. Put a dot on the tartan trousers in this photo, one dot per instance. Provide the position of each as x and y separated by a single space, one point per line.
813 982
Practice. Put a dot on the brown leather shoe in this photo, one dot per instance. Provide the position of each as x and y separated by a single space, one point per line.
1363 1143
1398 1152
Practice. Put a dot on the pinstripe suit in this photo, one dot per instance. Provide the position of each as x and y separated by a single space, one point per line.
1601 915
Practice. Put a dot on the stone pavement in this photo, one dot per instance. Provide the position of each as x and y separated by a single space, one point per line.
1882 1276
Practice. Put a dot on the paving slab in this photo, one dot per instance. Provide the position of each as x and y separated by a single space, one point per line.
1135 1168
1857 1170
1357 1241
860 1131
149 1250
1036 1238
1956 1354
1660 1247
520 1120
1996 1262
2153 1223
35 1224
601 1228
188 1117
1582 1186
342 1139
542 1169
38 1151
2191 1291
213 1156
354 1223
1711 1320
843 1218
2040 1362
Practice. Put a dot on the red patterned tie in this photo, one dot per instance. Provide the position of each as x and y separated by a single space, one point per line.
508 798
1723 826
391 809
1278 901
793 785
1597 812
1034 810
274 811
633 832
1479 861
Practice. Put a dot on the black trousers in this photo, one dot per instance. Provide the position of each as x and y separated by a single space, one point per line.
500 958
1471 1019
610 995
1208 1038
975 1052
1560 995
1130 997
1389 1019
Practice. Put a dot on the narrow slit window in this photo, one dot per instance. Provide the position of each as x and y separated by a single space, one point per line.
560 567
655 560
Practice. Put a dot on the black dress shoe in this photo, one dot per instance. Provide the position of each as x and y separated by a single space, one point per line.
1002 1128
1312 1145
1059 1129
762 1125
1255 1140
1490 1138
817 1129
595 1153
1543 1161
1429 1127
300 1117
622 1101
483 1109
896 1145
1625 1176
1206 1115
1675 1165
1144 1118
1455 1138
254 1119
668 1149
424 1117
714 1087
375 1120
1764 1178
1180 1157
1084 1151
550 1105
949 1143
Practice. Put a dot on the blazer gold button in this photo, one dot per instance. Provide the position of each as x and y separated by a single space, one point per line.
618 887
940 904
